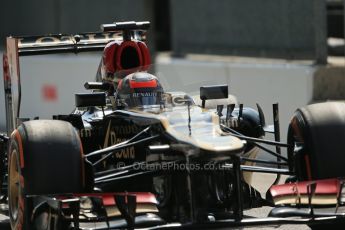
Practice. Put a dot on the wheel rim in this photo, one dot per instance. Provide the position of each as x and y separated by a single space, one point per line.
14 185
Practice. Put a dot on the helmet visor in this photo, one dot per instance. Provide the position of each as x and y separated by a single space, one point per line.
142 98
145 98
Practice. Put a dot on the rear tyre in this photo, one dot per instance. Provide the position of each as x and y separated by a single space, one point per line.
45 157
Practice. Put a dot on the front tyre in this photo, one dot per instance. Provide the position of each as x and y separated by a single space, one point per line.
316 139
317 151
15 189
45 157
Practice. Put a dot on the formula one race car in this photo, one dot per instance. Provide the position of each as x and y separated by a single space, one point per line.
138 154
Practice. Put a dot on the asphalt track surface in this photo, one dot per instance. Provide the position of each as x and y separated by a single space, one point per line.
260 181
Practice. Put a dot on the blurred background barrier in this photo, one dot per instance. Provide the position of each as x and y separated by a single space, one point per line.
287 29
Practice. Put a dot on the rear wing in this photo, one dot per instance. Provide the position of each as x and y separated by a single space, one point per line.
53 44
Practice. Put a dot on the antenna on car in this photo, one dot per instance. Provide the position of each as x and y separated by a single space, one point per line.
220 110
189 118
240 112
229 109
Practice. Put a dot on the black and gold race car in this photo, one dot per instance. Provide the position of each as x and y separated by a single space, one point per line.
138 153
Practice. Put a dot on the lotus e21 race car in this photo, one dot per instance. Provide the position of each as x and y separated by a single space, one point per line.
136 155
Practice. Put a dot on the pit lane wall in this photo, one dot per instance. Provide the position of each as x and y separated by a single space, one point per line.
49 82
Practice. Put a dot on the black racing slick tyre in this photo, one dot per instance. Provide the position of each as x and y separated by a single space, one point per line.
317 141
44 157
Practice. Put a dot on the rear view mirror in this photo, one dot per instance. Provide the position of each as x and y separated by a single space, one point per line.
90 99
213 92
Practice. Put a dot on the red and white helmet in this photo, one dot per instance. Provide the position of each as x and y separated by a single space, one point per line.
139 89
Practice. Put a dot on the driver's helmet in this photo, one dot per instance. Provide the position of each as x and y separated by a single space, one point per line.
139 89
